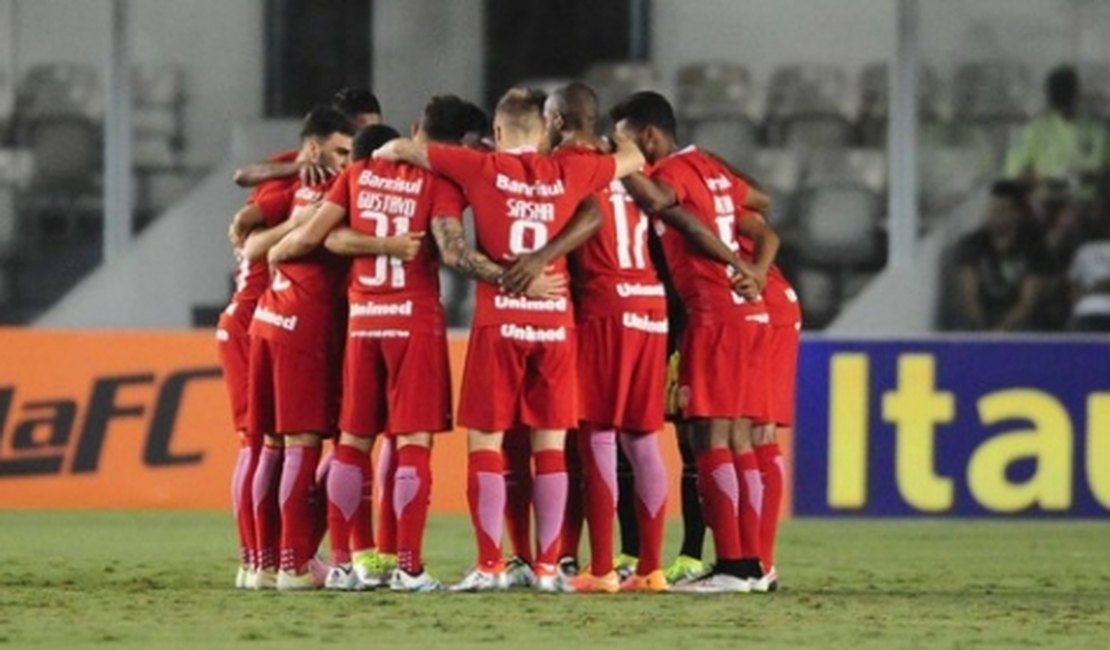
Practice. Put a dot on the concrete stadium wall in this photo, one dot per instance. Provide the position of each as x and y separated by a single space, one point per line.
182 260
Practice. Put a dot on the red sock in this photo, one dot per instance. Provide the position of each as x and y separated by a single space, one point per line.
751 502
720 500
485 493
320 512
267 515
574 516
297 500
349 522
412 486
771 470
387 516
599 469
642 451
242 497
549 501
518 492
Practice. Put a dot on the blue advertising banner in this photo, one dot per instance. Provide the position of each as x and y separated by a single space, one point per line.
953 427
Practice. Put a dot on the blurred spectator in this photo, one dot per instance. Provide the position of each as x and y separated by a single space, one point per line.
1060 143
1090 280
1003 267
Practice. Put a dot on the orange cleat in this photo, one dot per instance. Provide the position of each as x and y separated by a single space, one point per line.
588 583
653 582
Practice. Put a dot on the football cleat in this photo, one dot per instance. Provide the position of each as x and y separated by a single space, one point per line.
568 567
772 579
479 580
653 582
685 569
715 583
341 578
548 580
402 580
588 583
518 574
263 579
369 569
289 581
625 565
242 578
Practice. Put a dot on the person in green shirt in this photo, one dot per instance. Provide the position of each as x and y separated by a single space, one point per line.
1060 143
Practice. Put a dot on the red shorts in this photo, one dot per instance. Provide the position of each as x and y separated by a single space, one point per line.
715 365
782 370
234 349
508 381
396 385
292 390
757 391
622 374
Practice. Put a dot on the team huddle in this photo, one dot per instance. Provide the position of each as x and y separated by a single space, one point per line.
621 281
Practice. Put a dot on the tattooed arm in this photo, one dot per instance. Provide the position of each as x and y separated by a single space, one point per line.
456 254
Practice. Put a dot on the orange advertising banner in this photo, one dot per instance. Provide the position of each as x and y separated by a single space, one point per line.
110 419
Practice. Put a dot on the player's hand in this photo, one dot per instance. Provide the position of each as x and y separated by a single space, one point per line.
526 268
549 285
404 247
314 174
237 234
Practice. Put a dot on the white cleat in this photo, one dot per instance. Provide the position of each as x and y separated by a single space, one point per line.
341 578
243 578
262 579
479 580
771 578
549 581
715 583
518 575
289 581
402 581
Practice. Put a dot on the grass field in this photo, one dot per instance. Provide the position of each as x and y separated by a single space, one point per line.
163 579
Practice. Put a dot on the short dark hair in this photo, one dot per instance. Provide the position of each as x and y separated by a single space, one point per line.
476 120
356 101
646 108
446 119
1016 192
1062 87
322 121
578 105
370 138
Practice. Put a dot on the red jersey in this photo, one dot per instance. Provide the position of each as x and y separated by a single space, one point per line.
613 273
708 190
520 200
252 278
778 296
299 306
384 199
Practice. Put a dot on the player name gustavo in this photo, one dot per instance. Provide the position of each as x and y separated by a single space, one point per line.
381 309
514 303
532 334
644 323
288 323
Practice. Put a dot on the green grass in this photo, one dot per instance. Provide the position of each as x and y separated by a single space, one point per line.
163 579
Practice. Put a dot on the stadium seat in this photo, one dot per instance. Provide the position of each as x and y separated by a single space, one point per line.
838 226
615 80
949 174
65 181
809 106
995 98
714 89
735 139
60 89
1095 88
864 167
874 102
816 288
